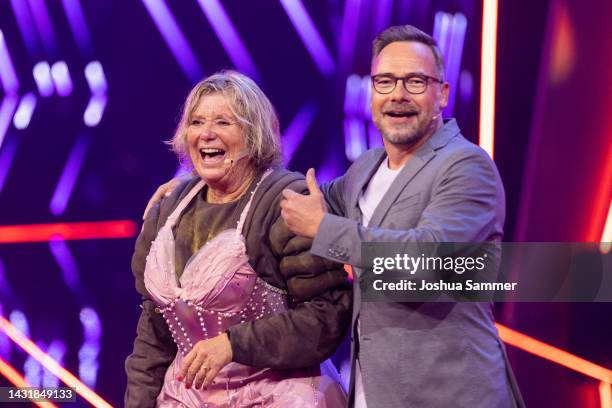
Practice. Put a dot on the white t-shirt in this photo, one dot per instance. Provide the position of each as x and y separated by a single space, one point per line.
368 201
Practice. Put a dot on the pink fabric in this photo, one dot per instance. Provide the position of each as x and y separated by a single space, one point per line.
217 290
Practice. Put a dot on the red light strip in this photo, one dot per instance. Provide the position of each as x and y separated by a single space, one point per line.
50 364
77 230
554 354
17 380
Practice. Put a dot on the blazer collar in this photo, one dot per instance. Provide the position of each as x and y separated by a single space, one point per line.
421 157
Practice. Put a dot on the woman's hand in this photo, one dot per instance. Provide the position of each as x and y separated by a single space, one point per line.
205 360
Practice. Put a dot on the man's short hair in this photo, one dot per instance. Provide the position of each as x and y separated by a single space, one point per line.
408 33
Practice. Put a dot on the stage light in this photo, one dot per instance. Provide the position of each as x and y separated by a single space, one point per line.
24 112
352 95
297 129
8 77
18 380
348 33
554 354
21 11
228 35
7 108
310 36
354 138
67 180
606 236
487 78
19 320
42 77
67 231
61 78
174 38
66 262
605 394
7 154
78 25
67 378
56 350
94 111
42 22
94 73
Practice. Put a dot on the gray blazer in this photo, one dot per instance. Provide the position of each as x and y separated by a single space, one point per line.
423 354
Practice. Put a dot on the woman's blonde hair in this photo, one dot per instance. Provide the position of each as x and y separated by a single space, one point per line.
248 104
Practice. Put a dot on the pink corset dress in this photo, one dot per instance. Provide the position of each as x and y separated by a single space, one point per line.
219 289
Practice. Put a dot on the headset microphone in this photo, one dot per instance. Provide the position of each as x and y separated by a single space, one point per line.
241 155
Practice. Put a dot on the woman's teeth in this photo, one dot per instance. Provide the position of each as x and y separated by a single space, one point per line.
209 152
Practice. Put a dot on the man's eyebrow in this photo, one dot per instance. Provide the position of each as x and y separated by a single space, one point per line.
402 76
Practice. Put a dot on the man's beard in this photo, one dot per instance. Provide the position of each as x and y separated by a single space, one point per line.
408 136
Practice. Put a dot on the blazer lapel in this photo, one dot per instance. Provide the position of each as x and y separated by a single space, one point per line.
411 168
364 177
421 157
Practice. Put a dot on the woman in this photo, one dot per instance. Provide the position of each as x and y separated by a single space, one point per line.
236 312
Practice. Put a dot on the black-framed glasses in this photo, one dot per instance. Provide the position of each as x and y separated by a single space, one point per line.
415 84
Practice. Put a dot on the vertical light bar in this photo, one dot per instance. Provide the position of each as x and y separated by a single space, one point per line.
354 138
174 38
78 25
442 24
348 34
382 15
310 36
44 26
42 77
453 59
7 108
297 129
487 79
33 370
351 95
8 77
56 350
26 25
89 351
605 394
67 180
227 34
61 78
66 376
606 236
23 115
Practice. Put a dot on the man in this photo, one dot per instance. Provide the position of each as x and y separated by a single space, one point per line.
428 184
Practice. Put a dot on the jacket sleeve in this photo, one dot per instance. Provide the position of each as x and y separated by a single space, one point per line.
333 192
319 315
467 205
154 348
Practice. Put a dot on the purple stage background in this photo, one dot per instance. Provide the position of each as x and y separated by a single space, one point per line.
91 89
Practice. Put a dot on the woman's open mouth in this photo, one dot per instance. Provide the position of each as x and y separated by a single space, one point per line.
212 156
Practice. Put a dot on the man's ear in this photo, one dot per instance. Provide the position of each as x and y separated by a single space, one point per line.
444 92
